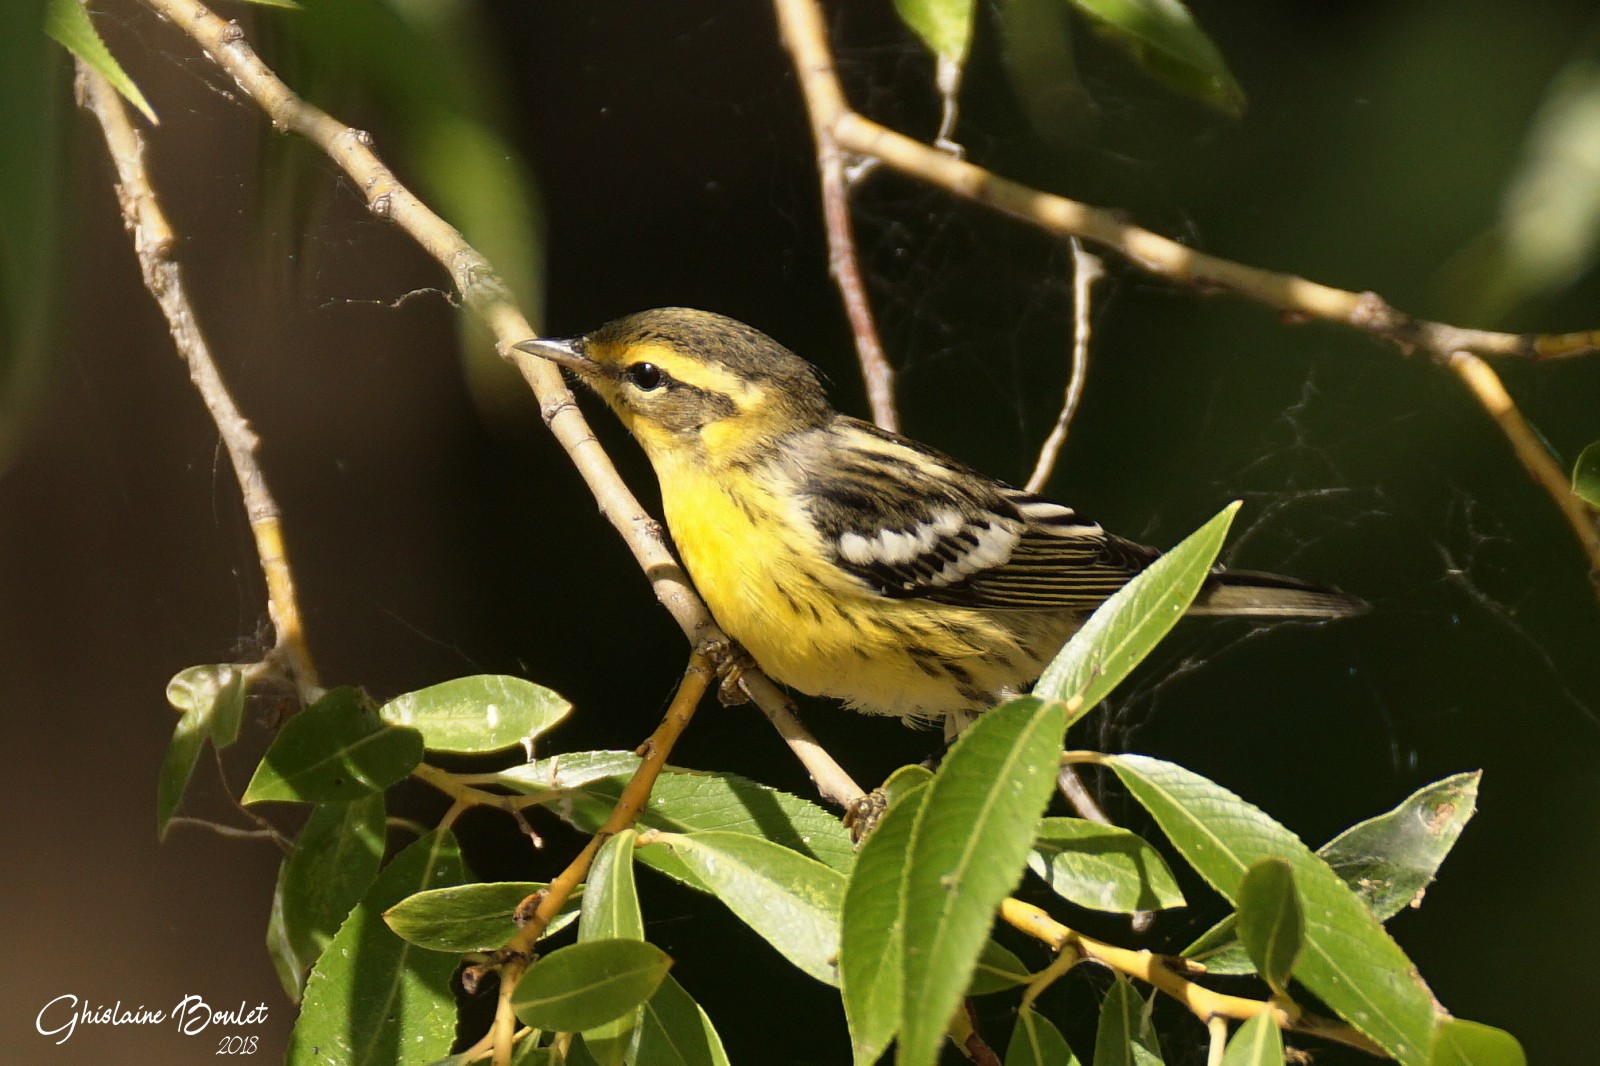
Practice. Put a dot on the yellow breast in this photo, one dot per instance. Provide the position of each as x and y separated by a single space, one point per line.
759 566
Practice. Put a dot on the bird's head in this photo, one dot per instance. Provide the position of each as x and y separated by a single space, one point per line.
694 385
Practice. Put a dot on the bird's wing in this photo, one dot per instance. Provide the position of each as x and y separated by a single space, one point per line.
909 522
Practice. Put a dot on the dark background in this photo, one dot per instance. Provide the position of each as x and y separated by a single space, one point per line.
431 541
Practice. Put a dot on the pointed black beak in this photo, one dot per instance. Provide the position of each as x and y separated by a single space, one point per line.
561 352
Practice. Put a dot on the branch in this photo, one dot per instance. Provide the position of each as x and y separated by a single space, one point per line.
800 23
1086 270
515 957
1160 973
153 242
1491 394
824 103
483 293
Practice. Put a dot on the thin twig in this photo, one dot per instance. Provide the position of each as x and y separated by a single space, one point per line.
1159 972
153 242
823 103
486 295
805 36
1487 388
518 952
1086 270
1217 1030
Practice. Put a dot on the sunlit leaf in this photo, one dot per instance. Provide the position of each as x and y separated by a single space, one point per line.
1387 860
1271 925
968 850
1124 629
586 985
177 767
210 701
1258 1042
790 900
485 712
216 693
871 929
372 997
1124 1036
1586 475
588 785
475 917
1102 866
610 911
335 750
1459 1042
1163 37
329 870
68 25
1349 961
945 26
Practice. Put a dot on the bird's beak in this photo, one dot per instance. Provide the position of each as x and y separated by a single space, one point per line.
561 352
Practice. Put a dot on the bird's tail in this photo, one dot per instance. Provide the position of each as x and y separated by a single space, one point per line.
1254 594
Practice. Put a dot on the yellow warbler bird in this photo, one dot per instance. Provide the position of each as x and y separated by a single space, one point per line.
852 562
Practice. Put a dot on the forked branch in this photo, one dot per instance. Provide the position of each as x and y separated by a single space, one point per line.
840 128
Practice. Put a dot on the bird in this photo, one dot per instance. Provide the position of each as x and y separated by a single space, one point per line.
852 562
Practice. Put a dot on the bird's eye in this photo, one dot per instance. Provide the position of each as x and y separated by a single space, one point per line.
645 376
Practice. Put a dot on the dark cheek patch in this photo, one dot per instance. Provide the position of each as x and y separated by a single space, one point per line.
683 408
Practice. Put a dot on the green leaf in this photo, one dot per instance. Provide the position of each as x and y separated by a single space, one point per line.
968 849
1390 859
998 969
945 26
486 712
1271 925
790 900
373 999
1163 37
871 929
1036 48
475 917
903 781
1124 1036
1257 1042
675 1031
335 750
1387 860
1103 867
584 787
611 901
586 985
561 775
328 871
1124 629
68 25
1349 962
1586 475
211 702
216 692
1458 1042
1037 1042
177 767
611 911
